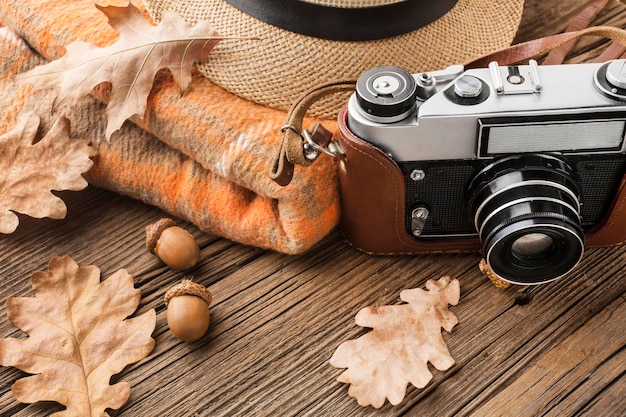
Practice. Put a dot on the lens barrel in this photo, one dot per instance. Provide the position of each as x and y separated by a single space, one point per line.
526 210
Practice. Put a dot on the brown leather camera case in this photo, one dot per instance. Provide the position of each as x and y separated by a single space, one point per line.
373 196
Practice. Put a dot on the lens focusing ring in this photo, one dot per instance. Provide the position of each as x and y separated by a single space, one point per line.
540 197
526 210
553 262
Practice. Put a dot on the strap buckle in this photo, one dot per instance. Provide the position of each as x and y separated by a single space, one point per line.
296 147
312 149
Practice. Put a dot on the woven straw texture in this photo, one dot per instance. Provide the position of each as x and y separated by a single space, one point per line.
202 157
279 67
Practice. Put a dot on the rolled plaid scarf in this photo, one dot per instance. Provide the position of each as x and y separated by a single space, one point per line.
203 157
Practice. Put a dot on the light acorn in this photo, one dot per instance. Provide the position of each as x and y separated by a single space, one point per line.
188 315
172 244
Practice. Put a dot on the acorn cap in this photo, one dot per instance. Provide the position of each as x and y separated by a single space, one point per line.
495 280
153 232
188 287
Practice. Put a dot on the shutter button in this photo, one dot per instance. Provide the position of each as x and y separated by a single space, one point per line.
468 86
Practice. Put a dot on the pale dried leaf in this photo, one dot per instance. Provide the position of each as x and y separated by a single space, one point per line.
404 339
130 64
79 336
28 172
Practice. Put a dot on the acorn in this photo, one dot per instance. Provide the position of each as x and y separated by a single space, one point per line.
172 244
188 315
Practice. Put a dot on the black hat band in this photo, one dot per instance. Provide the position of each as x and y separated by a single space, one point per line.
345 24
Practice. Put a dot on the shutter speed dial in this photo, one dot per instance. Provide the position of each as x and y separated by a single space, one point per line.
386 94
616 73
610 79
386 86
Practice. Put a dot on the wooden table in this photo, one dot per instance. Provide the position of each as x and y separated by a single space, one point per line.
557 349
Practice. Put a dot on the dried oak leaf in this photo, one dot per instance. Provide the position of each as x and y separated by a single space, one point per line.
28 172
130 64
404 339
79 336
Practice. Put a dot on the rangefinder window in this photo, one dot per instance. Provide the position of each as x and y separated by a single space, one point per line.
588 133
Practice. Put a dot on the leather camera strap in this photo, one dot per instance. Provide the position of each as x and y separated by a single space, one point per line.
580 22
291 148
530 49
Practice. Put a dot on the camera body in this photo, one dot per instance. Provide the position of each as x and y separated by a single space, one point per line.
527 163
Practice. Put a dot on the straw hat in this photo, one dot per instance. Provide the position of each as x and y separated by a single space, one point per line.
306 42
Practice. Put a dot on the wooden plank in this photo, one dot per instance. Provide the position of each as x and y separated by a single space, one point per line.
611 398
538 390
277 319
537 13
493 345
600 392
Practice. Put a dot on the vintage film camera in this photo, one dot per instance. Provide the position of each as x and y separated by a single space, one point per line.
524 162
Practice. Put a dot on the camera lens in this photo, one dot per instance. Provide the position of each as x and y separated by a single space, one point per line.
532 245
526 211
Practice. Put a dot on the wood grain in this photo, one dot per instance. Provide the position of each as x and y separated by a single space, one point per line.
277 319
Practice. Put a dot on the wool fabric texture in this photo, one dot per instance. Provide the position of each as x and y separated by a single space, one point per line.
202 157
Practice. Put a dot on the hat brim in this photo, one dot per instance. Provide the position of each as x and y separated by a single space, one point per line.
281 65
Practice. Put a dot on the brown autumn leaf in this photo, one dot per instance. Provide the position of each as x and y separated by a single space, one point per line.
404 339
130 64
28 172
79 336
